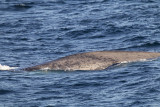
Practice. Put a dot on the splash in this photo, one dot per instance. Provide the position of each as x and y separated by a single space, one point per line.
5 67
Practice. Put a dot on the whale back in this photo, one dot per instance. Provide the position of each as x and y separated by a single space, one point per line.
94 60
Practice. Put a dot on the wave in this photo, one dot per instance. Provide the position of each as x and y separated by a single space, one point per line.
15 7
147 45
4 91
137 38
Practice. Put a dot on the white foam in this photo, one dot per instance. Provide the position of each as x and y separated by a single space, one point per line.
5 67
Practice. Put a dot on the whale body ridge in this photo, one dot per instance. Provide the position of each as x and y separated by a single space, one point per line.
98 60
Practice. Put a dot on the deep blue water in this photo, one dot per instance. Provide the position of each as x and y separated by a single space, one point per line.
36 31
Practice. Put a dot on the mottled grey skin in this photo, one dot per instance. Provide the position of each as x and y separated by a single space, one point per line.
94 60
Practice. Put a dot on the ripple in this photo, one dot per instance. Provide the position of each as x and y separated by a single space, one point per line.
4 91
22 6
137 38
16 7
79 33
85 84
148 44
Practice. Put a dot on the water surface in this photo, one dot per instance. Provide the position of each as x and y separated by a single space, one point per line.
33 32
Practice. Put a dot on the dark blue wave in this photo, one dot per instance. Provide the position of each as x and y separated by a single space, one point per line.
4 91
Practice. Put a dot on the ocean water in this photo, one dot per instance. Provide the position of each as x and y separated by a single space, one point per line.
37 31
